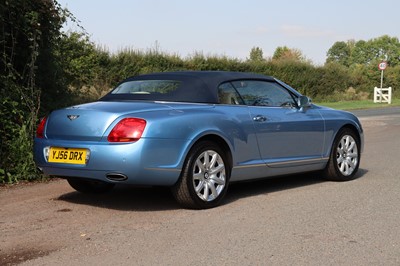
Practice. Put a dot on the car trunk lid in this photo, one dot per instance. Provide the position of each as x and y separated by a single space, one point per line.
90 121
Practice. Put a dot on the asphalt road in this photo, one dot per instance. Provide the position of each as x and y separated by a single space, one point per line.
297 220
377 112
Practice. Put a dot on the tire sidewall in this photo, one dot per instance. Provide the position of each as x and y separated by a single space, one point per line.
333 159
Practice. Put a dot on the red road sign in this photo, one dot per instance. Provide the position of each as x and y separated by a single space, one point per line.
382 65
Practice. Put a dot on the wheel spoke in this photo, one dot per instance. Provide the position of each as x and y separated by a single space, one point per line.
214 159
349 168
217 180
352 155
351 146
206 191
341 167
199 187
351 164
206 157
214 192
200 165
342 144
347 142
345 169
198 176
217 169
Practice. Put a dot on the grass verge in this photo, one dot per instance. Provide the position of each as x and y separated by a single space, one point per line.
352 105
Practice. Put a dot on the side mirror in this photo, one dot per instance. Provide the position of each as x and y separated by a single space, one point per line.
303 101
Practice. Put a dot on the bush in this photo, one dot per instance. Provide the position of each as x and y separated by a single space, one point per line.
16 144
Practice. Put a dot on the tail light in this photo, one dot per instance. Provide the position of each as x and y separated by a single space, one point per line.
40 128
127 130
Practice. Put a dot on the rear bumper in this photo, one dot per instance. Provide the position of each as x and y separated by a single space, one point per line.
145 162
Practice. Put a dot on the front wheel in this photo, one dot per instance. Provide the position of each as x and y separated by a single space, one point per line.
345 156
204 178
90 186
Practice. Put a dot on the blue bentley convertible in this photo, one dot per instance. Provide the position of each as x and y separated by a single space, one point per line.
196 132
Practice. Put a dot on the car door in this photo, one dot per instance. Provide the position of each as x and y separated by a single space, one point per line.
286 134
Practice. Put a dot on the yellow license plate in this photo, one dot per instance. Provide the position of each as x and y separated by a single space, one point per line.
67 155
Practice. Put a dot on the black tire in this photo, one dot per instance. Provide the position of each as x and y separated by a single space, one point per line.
345 156
203 182
90 186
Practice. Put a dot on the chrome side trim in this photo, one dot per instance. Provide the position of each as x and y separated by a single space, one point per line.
249 166
297 162
163 169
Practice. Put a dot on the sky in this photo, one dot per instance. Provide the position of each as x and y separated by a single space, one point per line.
233 27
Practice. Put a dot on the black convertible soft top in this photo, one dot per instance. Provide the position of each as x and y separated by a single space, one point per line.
195 86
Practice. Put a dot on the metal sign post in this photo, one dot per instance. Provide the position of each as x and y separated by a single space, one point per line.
382 66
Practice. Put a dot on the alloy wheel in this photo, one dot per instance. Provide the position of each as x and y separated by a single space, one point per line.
347 155
209 177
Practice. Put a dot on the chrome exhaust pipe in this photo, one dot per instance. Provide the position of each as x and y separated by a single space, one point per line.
116 177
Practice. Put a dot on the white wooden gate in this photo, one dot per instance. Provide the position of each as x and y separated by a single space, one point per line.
383 95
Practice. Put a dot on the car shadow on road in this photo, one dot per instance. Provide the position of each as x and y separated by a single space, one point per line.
127 198
240 190
133 198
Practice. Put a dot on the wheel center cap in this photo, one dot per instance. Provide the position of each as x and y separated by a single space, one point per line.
206 175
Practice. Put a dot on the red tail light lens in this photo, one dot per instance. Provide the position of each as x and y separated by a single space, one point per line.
127 130
40 128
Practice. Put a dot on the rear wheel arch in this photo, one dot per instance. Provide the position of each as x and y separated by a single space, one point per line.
221 142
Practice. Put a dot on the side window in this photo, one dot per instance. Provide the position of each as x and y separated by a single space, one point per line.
263 93
228 95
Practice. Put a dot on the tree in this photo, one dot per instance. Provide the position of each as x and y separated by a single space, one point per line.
366 52
361 53
385 48
340 52
29 31
285 53
256 54
81 59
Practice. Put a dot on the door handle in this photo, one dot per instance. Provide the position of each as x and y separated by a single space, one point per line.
259 118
